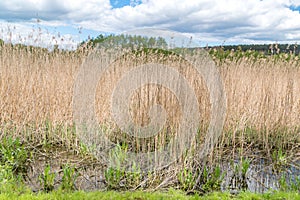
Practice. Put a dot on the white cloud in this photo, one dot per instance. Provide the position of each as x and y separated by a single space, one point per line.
209 20
73 10
30 34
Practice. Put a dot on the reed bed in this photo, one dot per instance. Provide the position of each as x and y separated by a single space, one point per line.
263 96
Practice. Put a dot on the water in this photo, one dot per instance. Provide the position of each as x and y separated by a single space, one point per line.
262 176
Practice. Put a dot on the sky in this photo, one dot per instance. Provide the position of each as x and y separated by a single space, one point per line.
212 22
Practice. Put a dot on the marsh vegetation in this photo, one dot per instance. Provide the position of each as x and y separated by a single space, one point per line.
41 151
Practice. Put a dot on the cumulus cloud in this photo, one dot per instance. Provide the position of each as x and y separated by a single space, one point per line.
65 10
235 21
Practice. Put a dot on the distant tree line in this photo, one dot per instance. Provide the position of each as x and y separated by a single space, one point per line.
126 41
267 49
137 41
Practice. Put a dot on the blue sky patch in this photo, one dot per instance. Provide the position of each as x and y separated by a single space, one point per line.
122 3
119 3
294 8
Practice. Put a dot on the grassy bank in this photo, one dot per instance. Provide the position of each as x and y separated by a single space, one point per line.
149 196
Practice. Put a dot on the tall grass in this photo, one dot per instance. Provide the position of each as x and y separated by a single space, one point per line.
263 95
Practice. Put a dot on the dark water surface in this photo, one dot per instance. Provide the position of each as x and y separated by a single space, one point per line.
262 176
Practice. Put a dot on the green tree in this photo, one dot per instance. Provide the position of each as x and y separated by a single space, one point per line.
127 41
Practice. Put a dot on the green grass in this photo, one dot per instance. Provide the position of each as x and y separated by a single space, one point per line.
140 195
